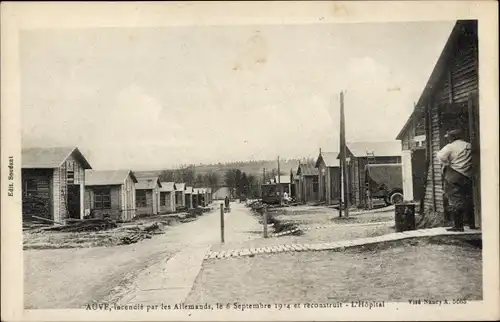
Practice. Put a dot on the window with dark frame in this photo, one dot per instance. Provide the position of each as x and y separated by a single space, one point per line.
102 198
140 198
70 172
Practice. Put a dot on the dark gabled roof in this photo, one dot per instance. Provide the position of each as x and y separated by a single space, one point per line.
147 183
461 27
417 112
50 157
307 170
330 159
107 177
379 149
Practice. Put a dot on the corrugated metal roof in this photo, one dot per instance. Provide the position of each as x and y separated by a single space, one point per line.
107 177
283 179
379 149
167 186
180 186
50 157
147 183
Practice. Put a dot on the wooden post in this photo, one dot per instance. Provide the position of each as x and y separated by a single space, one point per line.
279 183
264 215
343 152
340 191
222 223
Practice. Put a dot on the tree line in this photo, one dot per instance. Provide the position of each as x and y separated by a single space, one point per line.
189 176
238 182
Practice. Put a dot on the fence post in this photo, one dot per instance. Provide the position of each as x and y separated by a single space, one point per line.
222 223
264 213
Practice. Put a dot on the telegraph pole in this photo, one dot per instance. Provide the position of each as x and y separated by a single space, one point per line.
343 152
279 183
340 179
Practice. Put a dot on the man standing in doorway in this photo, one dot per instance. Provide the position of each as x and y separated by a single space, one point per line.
456 159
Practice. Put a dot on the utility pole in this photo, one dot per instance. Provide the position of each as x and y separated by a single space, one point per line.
222 223
343 152
279 183
340 180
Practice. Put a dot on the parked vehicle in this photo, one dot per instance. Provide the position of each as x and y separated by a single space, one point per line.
384 181
270 194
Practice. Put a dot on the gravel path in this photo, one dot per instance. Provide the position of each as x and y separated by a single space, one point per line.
398 273
72 278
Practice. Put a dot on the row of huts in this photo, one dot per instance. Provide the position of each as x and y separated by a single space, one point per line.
58 183
322 180
449 100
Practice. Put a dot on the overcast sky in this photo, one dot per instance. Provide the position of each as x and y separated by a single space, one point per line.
157 97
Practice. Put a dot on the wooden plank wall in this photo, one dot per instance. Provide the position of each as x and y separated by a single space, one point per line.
334 184
129 201
44 192
459 79
60 188
354 182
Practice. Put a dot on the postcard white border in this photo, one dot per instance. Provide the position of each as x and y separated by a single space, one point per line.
18 16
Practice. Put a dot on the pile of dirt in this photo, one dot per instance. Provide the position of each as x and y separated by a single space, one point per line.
196 212
140 232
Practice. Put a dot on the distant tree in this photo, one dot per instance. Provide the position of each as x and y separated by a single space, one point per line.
230 180
167 176
242 188
200 180
186 175
253 186
212 180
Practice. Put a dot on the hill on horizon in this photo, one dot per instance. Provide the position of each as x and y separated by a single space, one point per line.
249 167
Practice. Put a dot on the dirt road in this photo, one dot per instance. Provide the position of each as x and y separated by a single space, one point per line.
72 278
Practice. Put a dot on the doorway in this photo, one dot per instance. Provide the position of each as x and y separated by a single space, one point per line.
418 171
474 128
74 201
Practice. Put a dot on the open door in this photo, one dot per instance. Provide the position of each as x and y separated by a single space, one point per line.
418 164
74 201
